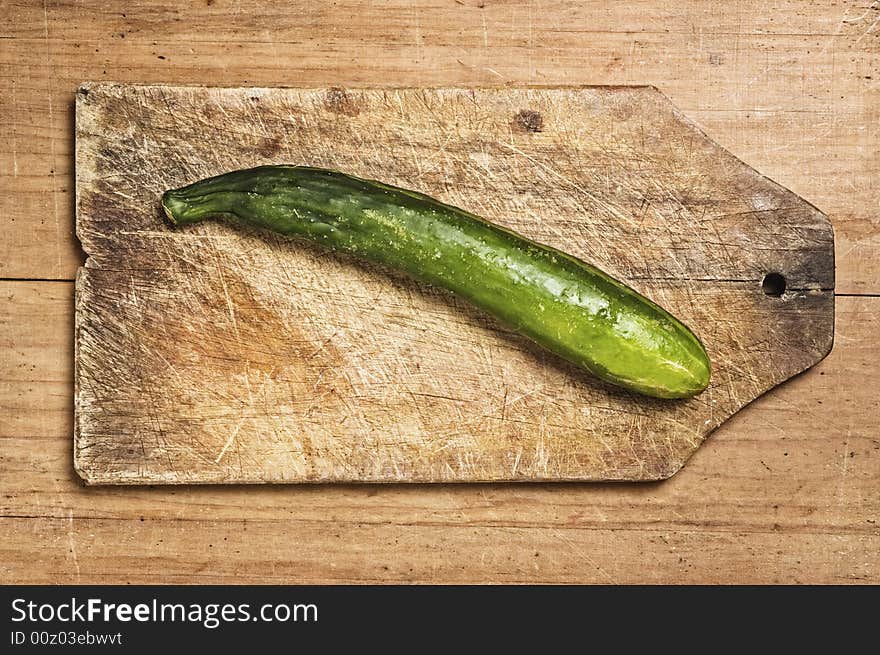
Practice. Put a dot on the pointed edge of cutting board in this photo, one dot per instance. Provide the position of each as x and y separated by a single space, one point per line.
828 345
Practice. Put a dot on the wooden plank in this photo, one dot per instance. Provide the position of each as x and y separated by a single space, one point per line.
790 87
786 491
101 551
396 20
36 360
208 355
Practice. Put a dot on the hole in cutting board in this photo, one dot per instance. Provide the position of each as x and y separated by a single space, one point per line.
773 284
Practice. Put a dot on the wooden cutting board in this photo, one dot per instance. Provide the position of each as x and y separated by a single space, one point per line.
212 355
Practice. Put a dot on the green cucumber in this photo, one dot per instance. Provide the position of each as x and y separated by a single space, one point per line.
568 306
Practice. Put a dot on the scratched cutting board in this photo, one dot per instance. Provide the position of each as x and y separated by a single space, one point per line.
212 355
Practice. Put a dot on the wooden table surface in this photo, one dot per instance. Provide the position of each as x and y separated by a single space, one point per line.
787 491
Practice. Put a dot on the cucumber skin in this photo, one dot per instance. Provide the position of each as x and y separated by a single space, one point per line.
568 306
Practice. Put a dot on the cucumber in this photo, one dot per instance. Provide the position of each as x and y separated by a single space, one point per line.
568 306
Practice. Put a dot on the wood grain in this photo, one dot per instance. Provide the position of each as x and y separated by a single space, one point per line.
790 87
209 356
773 495
784 492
